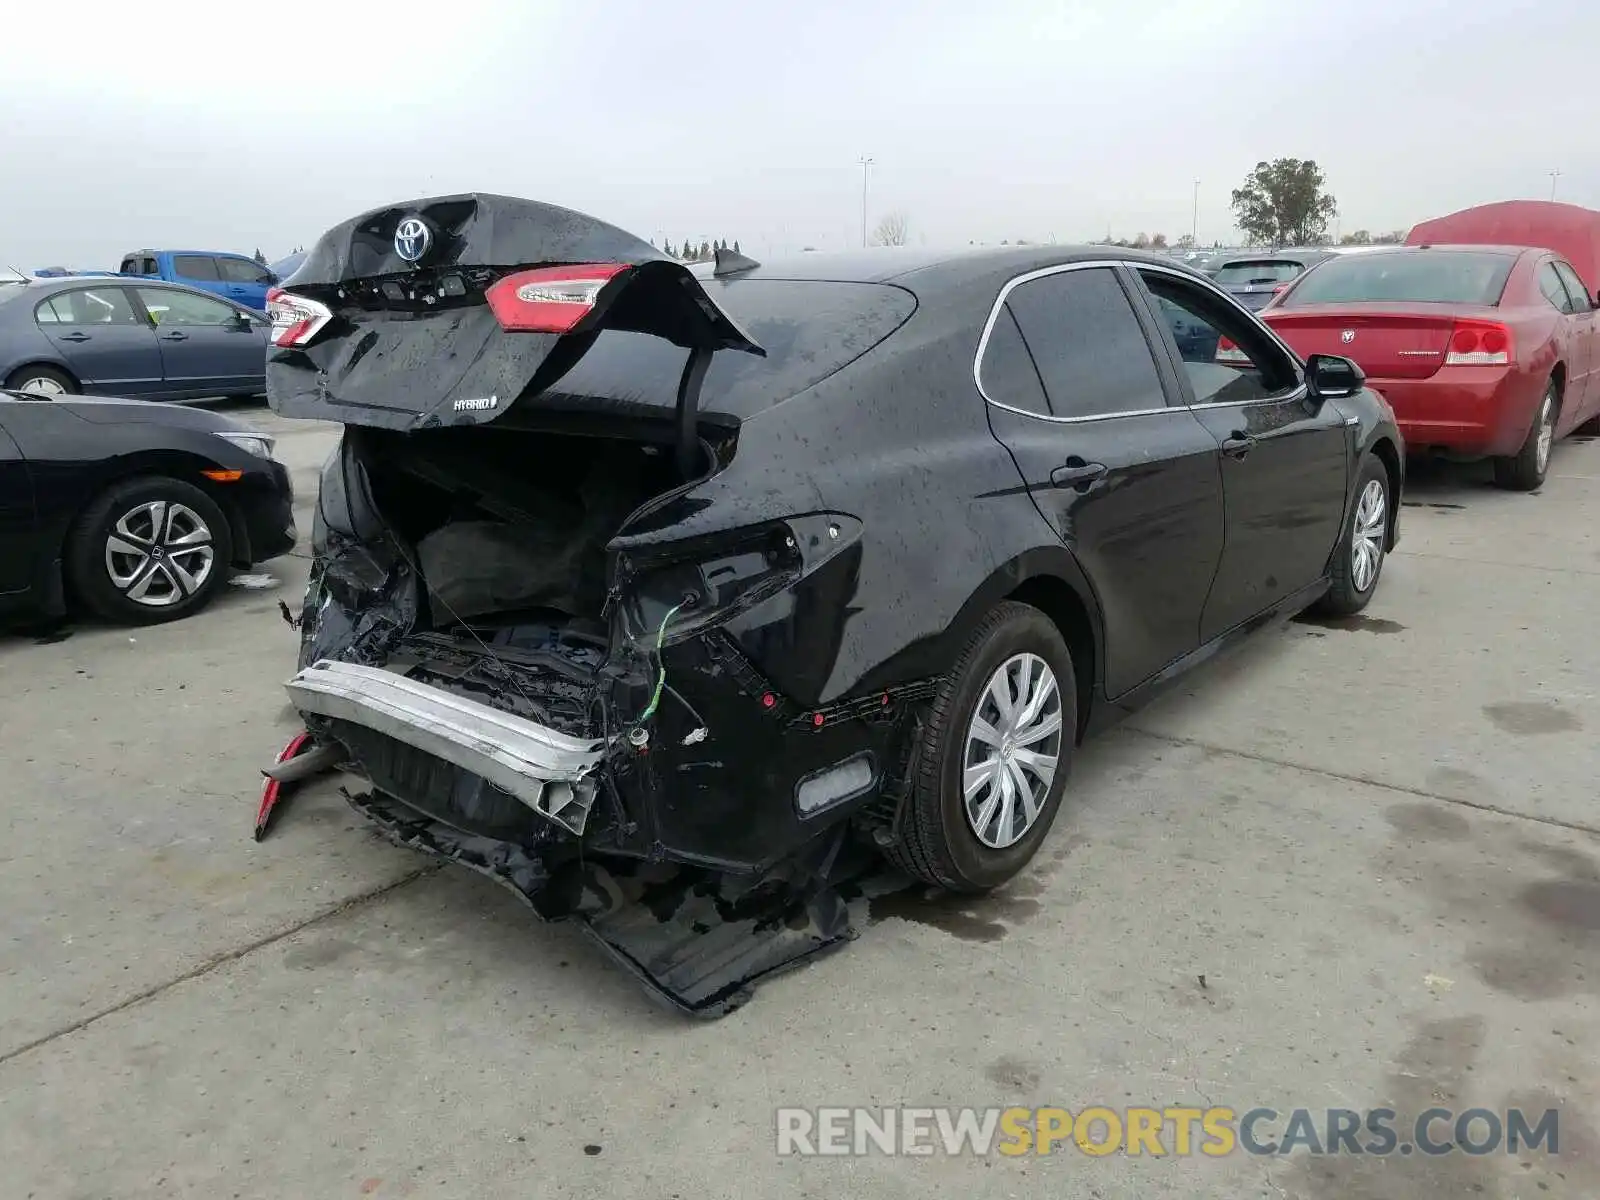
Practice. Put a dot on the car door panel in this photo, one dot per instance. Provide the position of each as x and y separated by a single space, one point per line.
1285 470
1135 494
1583 339
204 346
17 517
102 339
1285 458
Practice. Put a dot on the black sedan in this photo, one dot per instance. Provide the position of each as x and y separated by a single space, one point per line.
745 567
135 510
109 335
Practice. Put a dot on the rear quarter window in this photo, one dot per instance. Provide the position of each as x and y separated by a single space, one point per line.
1420 277
1007 373
809 329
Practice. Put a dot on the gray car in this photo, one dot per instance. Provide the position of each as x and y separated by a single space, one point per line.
107 335
1253 277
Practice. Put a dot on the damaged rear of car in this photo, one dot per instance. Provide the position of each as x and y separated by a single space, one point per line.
578 605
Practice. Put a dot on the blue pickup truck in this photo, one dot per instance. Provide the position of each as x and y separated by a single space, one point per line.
234 276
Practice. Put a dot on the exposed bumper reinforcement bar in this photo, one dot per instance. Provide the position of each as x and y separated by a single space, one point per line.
551 772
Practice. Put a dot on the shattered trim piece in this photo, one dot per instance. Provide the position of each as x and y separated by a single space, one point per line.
551 772
693 948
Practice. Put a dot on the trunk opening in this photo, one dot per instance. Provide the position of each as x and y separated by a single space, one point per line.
510 525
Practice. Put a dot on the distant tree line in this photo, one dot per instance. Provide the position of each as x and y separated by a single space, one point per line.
704 252
1141 241
1362 238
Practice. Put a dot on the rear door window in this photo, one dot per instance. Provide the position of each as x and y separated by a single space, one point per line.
1553 289
1406 277
87 306
1087 344
1576 290
195 266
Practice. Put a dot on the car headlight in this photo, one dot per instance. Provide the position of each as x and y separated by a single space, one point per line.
258 444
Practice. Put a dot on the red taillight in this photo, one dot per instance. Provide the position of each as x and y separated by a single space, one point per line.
1479 344
295 319
550 299
1227 352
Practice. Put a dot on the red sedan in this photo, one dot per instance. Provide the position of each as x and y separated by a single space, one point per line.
1482 351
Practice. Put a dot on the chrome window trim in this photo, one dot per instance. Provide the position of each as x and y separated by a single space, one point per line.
1298 392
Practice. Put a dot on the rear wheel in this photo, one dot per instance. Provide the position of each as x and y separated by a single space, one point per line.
1525 470
42 381
995 756
149 550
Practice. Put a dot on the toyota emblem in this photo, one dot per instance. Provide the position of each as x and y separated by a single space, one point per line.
412 238
1348 336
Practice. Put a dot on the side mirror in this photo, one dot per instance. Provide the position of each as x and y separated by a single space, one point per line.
1330 376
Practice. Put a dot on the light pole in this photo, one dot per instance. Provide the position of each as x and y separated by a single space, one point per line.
866 166
1554 175
1194 225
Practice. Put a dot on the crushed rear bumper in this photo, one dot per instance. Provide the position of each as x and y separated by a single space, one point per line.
553 773
698 941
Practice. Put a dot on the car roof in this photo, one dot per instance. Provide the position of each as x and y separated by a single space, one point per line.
921 268
1466 247
217 253
49 285
1288 254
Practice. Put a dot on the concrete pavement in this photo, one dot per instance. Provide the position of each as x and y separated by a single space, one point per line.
1373 841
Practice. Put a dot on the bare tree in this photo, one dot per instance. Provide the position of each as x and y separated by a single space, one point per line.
891 230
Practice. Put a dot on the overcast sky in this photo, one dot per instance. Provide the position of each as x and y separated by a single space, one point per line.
228 125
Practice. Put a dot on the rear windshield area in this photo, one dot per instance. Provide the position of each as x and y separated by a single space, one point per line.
1421 276
1239 272
809 329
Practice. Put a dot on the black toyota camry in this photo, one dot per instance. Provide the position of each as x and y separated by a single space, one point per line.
628 574
134 510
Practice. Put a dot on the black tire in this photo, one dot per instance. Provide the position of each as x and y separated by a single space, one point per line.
1344 597
89 559
937 842
23 377
1524 470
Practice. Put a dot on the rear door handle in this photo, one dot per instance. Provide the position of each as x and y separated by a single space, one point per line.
1238 445
74 337
1075 473
174 337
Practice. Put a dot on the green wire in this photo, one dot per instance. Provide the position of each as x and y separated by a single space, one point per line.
661 678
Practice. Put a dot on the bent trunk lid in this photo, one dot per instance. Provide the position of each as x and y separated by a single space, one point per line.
411 341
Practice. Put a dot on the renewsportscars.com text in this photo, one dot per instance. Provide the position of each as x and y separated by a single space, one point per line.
1160 1132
